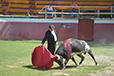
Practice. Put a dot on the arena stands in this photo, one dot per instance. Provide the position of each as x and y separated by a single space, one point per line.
21 7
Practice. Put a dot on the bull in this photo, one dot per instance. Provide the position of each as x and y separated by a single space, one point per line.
72 47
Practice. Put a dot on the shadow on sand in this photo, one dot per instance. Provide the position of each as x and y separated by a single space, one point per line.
43 69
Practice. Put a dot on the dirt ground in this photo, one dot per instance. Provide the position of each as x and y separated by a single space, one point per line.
109 70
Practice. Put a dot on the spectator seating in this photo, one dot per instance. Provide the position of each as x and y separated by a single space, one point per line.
21 7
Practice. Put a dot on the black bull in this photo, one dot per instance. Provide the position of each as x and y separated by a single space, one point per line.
77 47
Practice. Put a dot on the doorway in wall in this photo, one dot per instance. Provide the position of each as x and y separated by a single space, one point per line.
85 29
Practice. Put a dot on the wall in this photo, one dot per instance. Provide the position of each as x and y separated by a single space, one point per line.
104 30
21 29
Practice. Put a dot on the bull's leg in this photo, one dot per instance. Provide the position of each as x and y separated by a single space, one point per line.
82 58
74 61
90 53
65 64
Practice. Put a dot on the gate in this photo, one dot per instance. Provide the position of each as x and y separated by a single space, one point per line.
85 29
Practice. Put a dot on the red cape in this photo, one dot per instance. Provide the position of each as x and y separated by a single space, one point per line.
42 57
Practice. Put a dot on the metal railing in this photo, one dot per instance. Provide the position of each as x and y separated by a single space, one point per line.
79 8
17 16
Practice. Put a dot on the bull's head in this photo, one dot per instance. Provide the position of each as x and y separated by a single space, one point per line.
59 60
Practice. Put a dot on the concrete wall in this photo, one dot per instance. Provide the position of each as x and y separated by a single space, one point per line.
21 29
104 30
31 29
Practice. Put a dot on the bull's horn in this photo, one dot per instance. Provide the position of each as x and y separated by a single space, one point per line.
58 57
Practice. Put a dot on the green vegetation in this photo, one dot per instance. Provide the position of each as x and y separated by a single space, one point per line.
15 60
